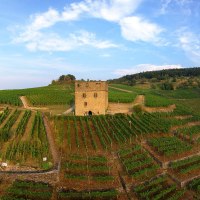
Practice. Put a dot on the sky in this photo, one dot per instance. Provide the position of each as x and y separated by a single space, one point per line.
94 39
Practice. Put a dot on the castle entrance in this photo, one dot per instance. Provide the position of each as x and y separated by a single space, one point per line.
90 113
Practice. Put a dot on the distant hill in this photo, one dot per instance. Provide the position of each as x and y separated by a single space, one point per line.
64 79
158 75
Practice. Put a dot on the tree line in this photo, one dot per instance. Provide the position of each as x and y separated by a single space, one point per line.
158 75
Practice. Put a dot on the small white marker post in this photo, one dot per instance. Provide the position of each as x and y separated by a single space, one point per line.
44 159
4 164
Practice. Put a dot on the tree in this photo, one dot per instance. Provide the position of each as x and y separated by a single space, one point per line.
61 78
166 86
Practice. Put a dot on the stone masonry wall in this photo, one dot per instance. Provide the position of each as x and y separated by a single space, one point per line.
91 96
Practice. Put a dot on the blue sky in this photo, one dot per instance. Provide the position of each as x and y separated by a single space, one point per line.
95 39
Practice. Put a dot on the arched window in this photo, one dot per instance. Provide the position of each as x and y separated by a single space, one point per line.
85 104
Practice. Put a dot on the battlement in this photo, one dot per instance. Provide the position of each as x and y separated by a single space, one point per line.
88 86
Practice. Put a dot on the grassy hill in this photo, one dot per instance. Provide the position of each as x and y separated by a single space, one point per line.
49 95
156 76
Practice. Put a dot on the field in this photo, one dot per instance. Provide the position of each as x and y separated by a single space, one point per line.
23 138
120 96
159 188
49 95
123 140
139 155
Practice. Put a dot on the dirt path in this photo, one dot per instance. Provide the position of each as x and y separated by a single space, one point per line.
126 107
120 89
186 125
139 100
54 151
71 109
114 108
183 117
26 104
160 109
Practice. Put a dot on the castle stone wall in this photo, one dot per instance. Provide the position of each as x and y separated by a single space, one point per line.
91 97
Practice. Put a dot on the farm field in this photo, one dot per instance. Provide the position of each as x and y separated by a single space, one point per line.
122 140
120 96
116 157
42 96
55 96
23 139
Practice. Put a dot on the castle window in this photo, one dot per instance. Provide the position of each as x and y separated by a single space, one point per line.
85 104
95 95
84 95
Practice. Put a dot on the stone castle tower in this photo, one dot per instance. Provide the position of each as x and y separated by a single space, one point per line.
91 97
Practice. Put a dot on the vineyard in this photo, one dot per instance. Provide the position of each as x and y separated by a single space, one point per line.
104 132
83 136
195 186
120 96
23 138
88 172
157 101
192 133
107 157
28 190
186 168
49 95
158 188
169 145
137 163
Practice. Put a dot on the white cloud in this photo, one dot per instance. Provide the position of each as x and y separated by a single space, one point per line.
110 10
183 6
165 4
190 43
144 68
135 28
117 11
113 10
53 42
44 20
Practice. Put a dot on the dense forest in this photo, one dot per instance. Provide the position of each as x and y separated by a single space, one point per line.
158 75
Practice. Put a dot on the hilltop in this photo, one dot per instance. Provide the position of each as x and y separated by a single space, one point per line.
188 77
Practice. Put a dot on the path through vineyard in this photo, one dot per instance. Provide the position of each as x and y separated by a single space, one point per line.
120 89
185 125
169 108
54 151
26 104
139 100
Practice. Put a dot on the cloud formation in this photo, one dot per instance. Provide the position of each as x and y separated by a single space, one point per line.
184 6
190 43
53 42
138 29
144 68
110 10
120 12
